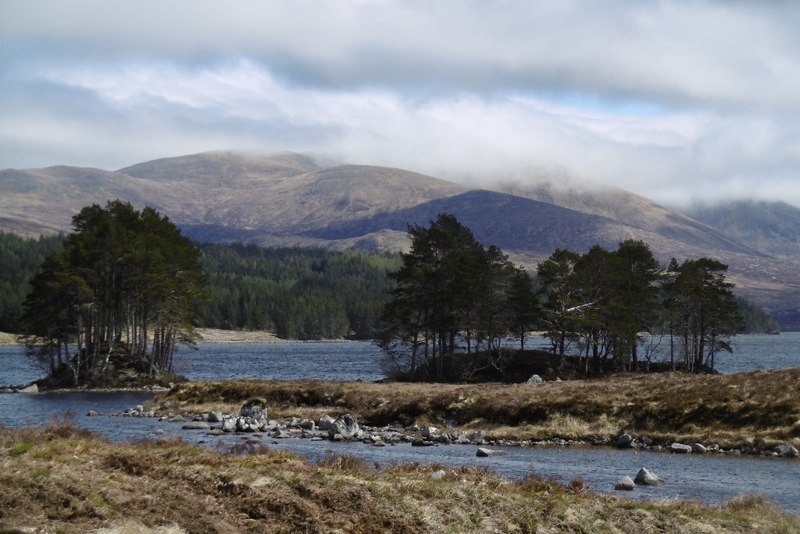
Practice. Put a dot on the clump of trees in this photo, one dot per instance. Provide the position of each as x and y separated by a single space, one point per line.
452 294
455 296
121 292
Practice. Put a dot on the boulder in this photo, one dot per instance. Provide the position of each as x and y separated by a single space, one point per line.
478 437
680 448
346 427
429 432
325 422
645 477
698 448
229 424
786 450
255 408
33 388
307 424
535 379
215 417
624 441
195 425
625 484
484 452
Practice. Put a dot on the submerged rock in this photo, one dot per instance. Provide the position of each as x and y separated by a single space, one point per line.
195 425
625 484
645 477
680 448
483 452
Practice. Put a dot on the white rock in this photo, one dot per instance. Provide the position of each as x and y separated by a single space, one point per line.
645 477
625 483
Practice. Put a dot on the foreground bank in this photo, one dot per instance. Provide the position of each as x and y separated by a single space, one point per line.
62 479
756 412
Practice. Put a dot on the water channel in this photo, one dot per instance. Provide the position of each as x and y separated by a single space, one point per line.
708 478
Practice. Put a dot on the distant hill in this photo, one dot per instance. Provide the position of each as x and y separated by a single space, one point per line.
770 227
292 199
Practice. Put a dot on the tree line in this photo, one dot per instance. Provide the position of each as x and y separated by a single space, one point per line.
448 294
296 293
453 295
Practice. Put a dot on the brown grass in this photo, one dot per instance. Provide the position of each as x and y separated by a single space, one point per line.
68 481
737 410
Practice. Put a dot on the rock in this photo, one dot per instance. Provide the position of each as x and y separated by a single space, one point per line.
215 417
645 477
625 441
195 425
535 379
429 432
680 448
422 443
307 424
483 452
478 437
229 424
698 448
786 450
33 388
325 422
92 413
438 475
625 484
255 408
345 426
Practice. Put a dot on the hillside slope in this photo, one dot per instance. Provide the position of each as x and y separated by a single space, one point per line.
292 199
770 227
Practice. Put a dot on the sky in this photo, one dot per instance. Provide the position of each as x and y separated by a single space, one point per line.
678 101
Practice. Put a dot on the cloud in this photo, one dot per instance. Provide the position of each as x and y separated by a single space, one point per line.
667 98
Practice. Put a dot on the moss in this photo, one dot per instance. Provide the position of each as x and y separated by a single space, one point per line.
19 449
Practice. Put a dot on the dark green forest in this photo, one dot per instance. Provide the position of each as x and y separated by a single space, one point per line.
296 293
20 258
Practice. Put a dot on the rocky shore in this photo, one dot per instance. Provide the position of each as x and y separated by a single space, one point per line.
252 418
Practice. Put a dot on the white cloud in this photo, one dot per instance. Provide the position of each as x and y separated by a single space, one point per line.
666 98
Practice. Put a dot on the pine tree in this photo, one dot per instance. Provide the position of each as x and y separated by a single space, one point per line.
121 292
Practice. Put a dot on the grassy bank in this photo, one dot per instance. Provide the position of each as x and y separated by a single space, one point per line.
755 410
63 480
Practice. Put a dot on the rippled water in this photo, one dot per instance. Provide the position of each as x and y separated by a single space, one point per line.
708 478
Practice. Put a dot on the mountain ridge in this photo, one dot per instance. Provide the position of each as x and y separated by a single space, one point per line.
294 199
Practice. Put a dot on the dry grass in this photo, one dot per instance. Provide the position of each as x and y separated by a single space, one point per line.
737 410
68 481
8 339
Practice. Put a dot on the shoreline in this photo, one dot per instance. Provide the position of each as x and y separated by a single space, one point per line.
61 478
570 413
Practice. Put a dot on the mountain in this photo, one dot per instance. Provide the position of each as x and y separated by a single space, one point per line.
292 199
770 227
